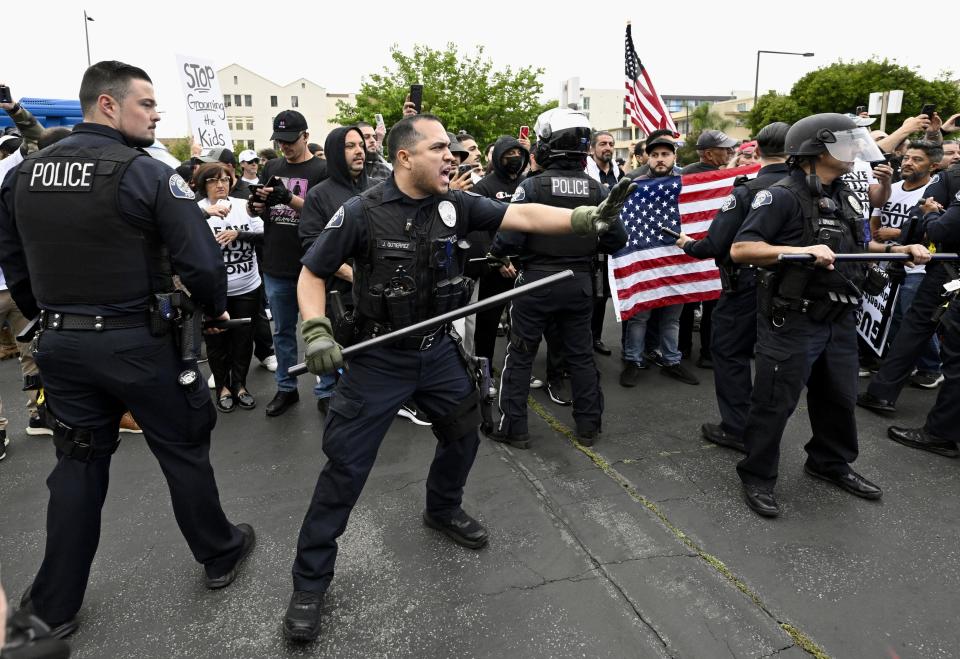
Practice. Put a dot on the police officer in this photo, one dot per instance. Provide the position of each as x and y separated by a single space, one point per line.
406 237
806 327
563 141
734 331
939 433
89 228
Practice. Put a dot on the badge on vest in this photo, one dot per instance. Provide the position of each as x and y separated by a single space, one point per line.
179 188
336 221
448 213
63 175
934 178
518 195
855 204
957 196
728 203
563 186
763 198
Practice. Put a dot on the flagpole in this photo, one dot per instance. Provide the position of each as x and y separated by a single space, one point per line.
86 34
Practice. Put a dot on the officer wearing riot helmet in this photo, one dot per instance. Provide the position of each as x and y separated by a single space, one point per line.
563 141
806 329
407 239
89 229
734 332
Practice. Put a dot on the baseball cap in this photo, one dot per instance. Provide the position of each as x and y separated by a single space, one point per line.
748 147
220 154
456 148
248 155
288 125
710 139
661 141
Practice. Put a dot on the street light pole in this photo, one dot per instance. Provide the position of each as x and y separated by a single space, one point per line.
86 33
756 82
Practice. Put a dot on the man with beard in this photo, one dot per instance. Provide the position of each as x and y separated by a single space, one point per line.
376 167
346 177
91 232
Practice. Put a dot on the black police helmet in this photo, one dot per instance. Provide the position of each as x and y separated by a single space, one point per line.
771 139
810 135
562 133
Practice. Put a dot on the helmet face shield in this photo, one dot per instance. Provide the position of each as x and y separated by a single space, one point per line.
851 145
571 139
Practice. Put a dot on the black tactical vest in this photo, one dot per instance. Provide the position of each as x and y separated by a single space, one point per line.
396 281
817 225
563 188
79 248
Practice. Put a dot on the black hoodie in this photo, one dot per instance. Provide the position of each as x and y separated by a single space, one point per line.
495 185
323 200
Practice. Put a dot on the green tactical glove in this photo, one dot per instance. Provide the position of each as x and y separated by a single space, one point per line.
323 353
594 220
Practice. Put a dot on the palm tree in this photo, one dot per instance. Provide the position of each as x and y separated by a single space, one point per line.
701 118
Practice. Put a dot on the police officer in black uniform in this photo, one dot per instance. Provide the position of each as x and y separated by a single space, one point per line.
734 331
930 308
806 331
563 140
406 237
89 228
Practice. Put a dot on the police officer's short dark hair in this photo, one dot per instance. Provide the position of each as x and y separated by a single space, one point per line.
108 77
404 134
934 151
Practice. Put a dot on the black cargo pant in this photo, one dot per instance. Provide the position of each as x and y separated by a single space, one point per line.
90 378
822 357
734 335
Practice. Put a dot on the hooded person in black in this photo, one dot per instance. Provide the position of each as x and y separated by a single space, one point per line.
508 162
345 179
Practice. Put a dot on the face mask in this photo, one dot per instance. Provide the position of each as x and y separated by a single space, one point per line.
513 164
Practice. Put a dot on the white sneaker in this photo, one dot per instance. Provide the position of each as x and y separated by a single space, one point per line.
536 383
269 363
410 411
210 382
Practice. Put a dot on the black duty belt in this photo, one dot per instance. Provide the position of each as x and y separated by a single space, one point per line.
421 341
55 320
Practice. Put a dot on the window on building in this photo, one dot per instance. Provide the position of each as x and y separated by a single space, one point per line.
303 85
236 100
741 107
294 101
250 124
248 100
236 80
249 144
586 102
273 101
229 123
226 100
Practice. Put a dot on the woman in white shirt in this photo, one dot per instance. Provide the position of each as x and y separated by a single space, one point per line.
229 352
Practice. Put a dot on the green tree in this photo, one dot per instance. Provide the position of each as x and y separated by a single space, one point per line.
463 89
701 118
180 149
773 107
842 86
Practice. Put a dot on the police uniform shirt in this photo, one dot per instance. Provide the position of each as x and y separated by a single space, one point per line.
720 236
775 216
945 230
151 196
346 236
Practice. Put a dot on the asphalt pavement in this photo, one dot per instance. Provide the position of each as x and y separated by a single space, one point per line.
639 547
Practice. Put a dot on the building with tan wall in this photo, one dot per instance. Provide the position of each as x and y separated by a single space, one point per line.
252 102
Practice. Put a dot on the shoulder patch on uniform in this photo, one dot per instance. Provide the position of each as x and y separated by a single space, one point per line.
179 188
957 196
763 198
518 195
728 203
337 220
448 213
934 178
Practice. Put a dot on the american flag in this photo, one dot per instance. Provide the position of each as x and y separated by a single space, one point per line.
643 103
651 271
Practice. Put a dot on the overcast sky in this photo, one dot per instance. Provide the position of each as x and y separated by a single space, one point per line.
694 47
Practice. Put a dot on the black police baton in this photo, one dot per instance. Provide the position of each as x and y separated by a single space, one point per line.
867 256
456 314
226 324
667 231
